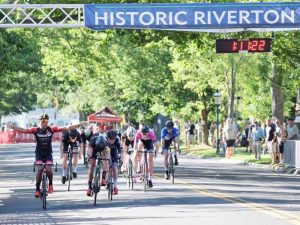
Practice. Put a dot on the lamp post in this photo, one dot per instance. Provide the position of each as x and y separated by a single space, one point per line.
237 108
217 96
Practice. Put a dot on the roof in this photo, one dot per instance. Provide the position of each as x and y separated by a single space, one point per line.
104 115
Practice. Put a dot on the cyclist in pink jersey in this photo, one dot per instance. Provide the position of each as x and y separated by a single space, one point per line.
146 140
43 151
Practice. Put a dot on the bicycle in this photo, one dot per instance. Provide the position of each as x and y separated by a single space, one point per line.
96 186
171 167
69 168
144 170
129 172
44 191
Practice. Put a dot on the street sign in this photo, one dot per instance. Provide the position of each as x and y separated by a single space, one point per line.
251 45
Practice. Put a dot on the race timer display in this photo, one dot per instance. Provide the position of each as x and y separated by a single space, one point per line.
239 46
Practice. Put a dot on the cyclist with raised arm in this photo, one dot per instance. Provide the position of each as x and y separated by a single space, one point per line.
169 134
43 151
146 140
128 137
114 144
71 141
98 143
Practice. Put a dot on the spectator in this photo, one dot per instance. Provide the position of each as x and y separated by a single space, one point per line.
190 133
257 136
292 130
271 140
229 137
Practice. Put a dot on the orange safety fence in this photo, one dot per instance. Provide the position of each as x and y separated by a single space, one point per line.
11 137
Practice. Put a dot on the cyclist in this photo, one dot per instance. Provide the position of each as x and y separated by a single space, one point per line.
169 134
98 143
114 144
85 135
146 139
43 151
71 140
128 140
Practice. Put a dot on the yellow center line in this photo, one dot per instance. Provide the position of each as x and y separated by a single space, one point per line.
292 219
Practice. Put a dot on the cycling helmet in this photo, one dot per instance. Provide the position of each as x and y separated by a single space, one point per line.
73 134
169 124
130 132
112 134
145 130
100 142
44 116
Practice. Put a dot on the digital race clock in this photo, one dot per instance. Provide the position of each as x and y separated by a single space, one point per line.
239 46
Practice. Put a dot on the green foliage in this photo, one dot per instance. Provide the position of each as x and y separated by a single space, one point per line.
20 64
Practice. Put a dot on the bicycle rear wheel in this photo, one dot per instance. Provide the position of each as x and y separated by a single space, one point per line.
145 180
44 191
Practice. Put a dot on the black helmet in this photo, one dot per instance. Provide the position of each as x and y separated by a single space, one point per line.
169 124
73 134
112 134
44 116
145 130
100 142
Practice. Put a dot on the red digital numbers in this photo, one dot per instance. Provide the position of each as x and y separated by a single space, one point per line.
249 45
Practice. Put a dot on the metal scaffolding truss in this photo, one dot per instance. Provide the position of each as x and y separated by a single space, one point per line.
42 16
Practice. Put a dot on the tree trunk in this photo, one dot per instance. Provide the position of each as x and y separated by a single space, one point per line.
276 92
297 109
204 115
232 87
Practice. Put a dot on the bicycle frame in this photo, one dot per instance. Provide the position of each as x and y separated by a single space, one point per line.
171 164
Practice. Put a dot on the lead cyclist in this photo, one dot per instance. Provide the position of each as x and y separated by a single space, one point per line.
169 134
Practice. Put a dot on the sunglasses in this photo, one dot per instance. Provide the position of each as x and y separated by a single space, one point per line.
44 121
145 134
112 139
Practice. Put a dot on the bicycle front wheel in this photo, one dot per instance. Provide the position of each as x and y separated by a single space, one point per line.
96 187
44 191
69 175
110 187
171 170
130 175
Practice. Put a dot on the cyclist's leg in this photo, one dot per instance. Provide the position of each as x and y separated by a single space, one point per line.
91 174
125 158
150 166
138 156
175 143
75 163
64 164
39 172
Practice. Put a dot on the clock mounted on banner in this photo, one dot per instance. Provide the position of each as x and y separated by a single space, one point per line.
250 45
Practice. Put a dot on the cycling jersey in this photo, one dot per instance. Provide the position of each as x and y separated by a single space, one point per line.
43 150
115 149
73 145
147 141
168 136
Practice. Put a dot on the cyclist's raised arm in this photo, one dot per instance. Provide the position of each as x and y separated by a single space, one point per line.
72 127
22 130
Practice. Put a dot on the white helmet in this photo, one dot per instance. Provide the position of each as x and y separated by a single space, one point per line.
130 132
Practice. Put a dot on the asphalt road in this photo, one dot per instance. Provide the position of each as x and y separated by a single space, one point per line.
206 191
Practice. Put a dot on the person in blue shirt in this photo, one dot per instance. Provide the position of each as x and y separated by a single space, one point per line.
169 134
257 137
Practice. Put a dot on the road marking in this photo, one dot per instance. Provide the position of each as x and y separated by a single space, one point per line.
293 219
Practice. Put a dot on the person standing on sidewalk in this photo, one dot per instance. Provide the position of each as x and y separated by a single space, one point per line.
229 137
43 151
257 137
271 140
